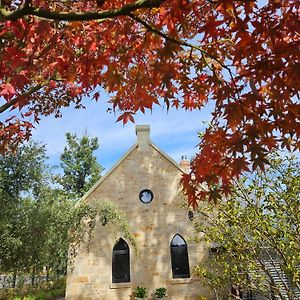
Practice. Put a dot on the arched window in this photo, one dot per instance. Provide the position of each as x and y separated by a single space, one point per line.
120 262
179 257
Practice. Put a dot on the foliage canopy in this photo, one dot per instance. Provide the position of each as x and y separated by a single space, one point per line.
242 55
255 234
80 167
39 220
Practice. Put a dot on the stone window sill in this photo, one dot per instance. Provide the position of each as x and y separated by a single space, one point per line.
181 280
121 285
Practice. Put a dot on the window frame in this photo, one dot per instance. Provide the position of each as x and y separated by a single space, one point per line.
179 259
146 191
120 256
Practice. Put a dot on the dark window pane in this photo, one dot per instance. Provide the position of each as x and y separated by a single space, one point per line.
178 241
146 196
250 296
179 258
121 245
120 262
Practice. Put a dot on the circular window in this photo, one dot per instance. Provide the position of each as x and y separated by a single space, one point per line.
146 196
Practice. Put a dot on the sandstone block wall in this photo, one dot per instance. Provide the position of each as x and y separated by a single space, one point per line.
153 225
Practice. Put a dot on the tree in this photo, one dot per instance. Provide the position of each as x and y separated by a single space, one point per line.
21 175
23 171
38 221
80 167
254 235
241 55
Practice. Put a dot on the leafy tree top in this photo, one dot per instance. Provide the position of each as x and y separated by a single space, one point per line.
80 167
242 55
22 172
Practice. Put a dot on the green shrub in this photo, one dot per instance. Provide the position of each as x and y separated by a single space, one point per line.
42 295
7 294
140 292
160 292
43 291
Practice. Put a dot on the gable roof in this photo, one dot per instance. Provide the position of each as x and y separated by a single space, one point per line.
119 162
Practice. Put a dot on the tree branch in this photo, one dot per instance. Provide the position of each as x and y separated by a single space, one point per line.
180 42
9 104
163 35
26 10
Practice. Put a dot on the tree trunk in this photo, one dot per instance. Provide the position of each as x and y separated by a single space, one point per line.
14 281
236 293
33 276
47 273
216 294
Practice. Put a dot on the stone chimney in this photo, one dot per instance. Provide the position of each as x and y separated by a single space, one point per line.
185 163
143 136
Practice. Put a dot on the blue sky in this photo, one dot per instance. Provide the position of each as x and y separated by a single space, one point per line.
174 132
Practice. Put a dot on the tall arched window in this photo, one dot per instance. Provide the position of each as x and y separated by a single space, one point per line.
120 262
179 257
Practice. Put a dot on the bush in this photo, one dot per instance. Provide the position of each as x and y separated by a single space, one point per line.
160 292
44 291
141 292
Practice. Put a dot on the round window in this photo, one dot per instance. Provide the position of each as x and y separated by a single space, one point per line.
146 196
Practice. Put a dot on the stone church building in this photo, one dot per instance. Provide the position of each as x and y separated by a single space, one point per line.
144 184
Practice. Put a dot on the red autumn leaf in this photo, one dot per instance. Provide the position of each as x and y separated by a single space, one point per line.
125 117
93 47
240 57
96 96
7 91
52 84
